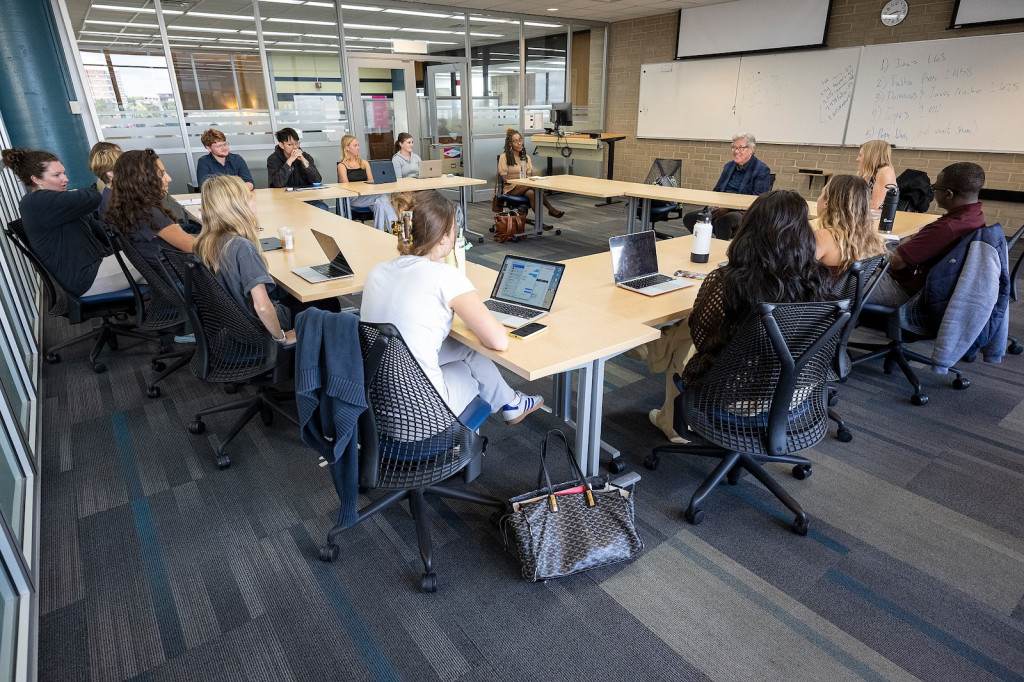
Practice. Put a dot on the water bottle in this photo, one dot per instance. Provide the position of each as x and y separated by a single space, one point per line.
892 200
701 248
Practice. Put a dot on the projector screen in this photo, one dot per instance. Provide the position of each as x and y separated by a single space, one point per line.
750 26
971 12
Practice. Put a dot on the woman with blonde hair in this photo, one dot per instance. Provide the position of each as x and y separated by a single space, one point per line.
419 294
353 168
846 231
874 165
101 162
514 163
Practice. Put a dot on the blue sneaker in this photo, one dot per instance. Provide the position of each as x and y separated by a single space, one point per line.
524 405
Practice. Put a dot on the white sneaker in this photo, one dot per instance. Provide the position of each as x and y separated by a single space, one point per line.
654 416
525 404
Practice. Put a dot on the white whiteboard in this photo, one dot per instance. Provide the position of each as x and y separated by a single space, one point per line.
797 97
689 100
956 94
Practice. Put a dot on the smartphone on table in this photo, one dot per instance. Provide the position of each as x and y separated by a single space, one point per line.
528 330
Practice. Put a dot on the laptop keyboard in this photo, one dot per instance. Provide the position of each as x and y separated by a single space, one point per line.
329 270
647 281
509 308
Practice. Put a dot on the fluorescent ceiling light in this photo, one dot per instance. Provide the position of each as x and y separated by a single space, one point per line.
120 23
105 42
302 21
374 40
489 20
214 15
418 14
369 27
280 42
133 10
284 2
184 38
239 40
487 35
319 4
268 33
202 29
363 8
541 24
427 30
119 35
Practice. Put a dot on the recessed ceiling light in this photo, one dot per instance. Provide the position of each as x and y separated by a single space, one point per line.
552 9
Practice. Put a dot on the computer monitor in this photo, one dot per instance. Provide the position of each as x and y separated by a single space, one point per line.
561 115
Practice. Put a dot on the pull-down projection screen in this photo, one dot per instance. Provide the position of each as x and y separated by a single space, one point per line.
972 12
750 26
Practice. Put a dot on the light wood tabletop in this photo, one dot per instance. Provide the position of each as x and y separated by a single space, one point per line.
412 184
685 195
577 184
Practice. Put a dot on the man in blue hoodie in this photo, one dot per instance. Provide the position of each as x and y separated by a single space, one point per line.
745 174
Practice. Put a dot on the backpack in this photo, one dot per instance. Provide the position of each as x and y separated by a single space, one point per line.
915 191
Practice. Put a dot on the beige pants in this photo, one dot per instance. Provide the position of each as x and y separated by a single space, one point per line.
669 354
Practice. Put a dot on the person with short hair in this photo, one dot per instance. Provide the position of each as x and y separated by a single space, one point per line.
220 160
956 191
136 207
61 226
289 166
846 231
874 165
353 168
101 162
419 294
745 174
405 160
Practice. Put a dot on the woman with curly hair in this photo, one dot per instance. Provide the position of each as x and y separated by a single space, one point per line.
136 207
874 165
514 163
846 232
771 258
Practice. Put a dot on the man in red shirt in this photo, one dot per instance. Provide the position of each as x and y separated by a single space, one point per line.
956 191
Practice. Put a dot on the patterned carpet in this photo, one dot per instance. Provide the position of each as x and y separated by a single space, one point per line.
157 566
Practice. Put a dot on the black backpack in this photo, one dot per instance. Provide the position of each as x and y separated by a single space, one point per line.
915 191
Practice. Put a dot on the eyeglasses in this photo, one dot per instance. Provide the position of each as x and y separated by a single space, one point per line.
739 149
936 188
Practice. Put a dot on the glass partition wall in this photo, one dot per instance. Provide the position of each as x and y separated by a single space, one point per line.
160 73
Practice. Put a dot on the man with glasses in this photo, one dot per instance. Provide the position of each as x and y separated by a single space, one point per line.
289 166
220 160
745 174
956 192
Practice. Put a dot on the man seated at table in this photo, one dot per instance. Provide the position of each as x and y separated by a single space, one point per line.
745 174
289 166
956 192
220 160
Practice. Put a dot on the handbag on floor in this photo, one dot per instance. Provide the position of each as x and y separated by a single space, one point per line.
509 225
573 526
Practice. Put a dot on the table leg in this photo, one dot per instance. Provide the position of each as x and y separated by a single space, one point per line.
645 217
631 215
538 212
562 395
584 397
347 207
611 170
465 214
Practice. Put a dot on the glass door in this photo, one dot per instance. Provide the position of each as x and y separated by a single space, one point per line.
384 103
445 114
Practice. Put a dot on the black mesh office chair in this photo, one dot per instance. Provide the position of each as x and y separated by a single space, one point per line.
164 312
1013 346
411 443
232 346
915 191
76 309
763 400
855 285
665 173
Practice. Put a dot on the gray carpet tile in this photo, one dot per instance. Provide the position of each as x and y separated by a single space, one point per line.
155 565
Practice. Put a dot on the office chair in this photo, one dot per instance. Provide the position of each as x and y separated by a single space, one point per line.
192 189
855 285
77 309
1014 347
763 400
164 312
232 346
517 202
411 443
665 173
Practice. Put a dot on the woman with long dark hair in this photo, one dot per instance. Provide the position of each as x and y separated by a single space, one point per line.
514 163
136 207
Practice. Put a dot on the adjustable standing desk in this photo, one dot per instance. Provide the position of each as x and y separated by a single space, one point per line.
549 145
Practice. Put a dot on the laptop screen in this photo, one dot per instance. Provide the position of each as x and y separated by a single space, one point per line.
528 282
633 255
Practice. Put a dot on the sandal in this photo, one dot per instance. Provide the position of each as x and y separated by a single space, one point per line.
556 214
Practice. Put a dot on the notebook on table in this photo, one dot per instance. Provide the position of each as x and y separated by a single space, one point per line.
635 265
383 172
430 169
524 290
336 268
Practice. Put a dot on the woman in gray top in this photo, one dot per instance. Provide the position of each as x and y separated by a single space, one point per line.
405 160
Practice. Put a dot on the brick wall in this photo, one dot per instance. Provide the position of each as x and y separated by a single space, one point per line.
852 23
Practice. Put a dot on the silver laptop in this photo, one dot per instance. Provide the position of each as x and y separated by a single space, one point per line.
383 172
524 290
635 265
336 268
430 169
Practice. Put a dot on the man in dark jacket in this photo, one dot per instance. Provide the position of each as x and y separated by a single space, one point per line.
289 166
745 174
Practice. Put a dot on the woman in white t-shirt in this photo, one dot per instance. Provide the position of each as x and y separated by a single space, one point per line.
419 294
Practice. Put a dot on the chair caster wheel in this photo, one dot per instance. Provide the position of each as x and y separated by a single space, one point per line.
329 553
615 465
919 399
429 583
197 427
99 367
844 435
733 477
481 240
801 471
969 358
558 232
159 366
694 516
1015 349
53 358
960 383
223 462
833 400
651 462
800 525
153 392
231 389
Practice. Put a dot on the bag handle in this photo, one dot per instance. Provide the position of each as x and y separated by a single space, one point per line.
573 465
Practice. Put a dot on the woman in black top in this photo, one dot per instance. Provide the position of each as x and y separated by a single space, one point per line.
353 168
61 227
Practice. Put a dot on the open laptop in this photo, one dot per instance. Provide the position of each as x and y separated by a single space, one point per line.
430 169
383 172
336 268
635 265
524 290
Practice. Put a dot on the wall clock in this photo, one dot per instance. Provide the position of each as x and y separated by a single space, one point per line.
894 12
